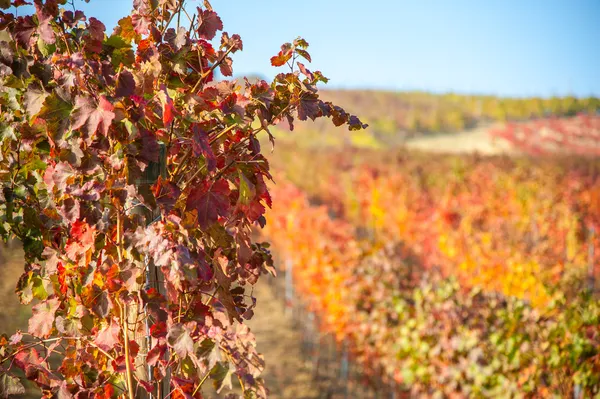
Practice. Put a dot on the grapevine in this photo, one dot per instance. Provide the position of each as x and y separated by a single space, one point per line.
133 178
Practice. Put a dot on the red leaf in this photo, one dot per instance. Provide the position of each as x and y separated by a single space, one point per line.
210 202
44 28
92 116
158 330
226 66
308 107
24 28
201 146
281 58
148 386
96 29
125 84
81 240
208 24
305 71
169 110
40 324
108 337
107 392
155 354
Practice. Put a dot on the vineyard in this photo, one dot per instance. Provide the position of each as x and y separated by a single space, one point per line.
455 276
576 135
148 215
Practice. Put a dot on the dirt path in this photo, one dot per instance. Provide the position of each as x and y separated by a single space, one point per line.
469 141
286 374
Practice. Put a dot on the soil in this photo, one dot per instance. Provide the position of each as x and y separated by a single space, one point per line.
286 374
477 140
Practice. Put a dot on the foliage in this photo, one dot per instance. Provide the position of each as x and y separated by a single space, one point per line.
133 179
426 332
516 226
577 135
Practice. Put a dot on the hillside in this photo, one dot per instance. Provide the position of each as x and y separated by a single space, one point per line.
396 117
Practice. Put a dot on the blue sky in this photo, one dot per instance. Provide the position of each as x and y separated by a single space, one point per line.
510 47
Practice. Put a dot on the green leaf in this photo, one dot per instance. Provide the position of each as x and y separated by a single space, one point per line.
45 48
247 189
116 42
56 112
34 100
38 289
10 385
221 376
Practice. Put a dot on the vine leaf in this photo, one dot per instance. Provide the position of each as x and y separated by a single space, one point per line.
55 112
10 385
308 108
210 202
125 84
209 24
40 324
221 376
92 116
34 100
44 28
108 337
179 339
201 146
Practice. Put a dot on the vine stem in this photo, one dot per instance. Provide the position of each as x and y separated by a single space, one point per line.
127 353
119 228
123 308
202 381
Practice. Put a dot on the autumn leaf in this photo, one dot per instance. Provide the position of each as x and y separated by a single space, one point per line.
177 39
44 28
55 112
10 385
208 24
226 66
108 337
126 31
304 54
308 107
281 58
211 201
247 189
40 324
201 147
34 100
166 194
125 84
179 339
91 116
305 71
96 29
234 42
24 29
